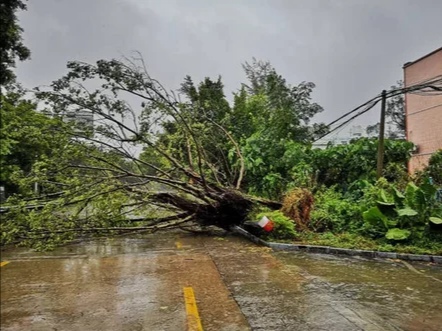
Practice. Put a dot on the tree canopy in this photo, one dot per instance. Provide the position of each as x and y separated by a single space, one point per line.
27 136
11 45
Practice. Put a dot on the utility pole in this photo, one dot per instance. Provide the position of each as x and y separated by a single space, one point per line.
381 136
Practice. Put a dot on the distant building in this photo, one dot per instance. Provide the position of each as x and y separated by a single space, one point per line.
423 112
83 120
356 132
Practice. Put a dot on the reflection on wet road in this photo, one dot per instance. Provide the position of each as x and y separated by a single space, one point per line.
137 284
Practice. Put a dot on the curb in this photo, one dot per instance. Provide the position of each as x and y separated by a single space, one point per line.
338 251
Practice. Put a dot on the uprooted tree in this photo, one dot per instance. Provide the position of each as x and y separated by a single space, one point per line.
149 161
152 158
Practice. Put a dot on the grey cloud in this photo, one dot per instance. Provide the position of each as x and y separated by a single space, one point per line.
60 31
351 49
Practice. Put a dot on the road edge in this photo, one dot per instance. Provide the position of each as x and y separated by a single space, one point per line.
334 250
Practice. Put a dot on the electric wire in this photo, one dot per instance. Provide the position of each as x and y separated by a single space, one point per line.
428 87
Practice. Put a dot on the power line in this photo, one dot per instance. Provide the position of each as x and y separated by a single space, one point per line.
421 87
349 120
352 111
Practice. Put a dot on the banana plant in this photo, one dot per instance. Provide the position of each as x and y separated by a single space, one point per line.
400 214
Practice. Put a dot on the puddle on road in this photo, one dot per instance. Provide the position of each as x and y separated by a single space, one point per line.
115 284
388 288
302 291
136 244
101 284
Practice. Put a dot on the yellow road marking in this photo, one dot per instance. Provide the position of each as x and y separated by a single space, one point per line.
193 318
179 245
2 264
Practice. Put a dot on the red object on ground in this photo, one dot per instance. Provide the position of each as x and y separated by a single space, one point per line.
269 226
266 224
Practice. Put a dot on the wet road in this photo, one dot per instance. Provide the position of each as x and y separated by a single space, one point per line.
137 284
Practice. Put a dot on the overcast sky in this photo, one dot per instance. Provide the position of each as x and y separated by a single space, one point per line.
351 49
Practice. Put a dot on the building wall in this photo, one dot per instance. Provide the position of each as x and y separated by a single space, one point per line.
423 113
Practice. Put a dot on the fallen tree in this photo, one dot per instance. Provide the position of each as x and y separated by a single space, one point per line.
146 160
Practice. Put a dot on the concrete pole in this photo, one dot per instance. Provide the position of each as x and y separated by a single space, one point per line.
381 137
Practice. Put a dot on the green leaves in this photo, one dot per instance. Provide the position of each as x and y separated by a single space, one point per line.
26 137
410 213
11 39
397 234
434 169
288 109
407 212
344 164
374 216
284 226
384 199
436 220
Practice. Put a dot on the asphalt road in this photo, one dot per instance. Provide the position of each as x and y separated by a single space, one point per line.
179 281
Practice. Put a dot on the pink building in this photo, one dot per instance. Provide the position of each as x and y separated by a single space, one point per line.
423 112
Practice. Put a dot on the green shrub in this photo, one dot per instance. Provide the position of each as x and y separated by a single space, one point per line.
434 169
431 244
403 215
333 212
284 227
343 240
344 164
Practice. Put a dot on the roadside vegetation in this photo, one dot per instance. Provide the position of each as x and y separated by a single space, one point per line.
154 158
402 215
